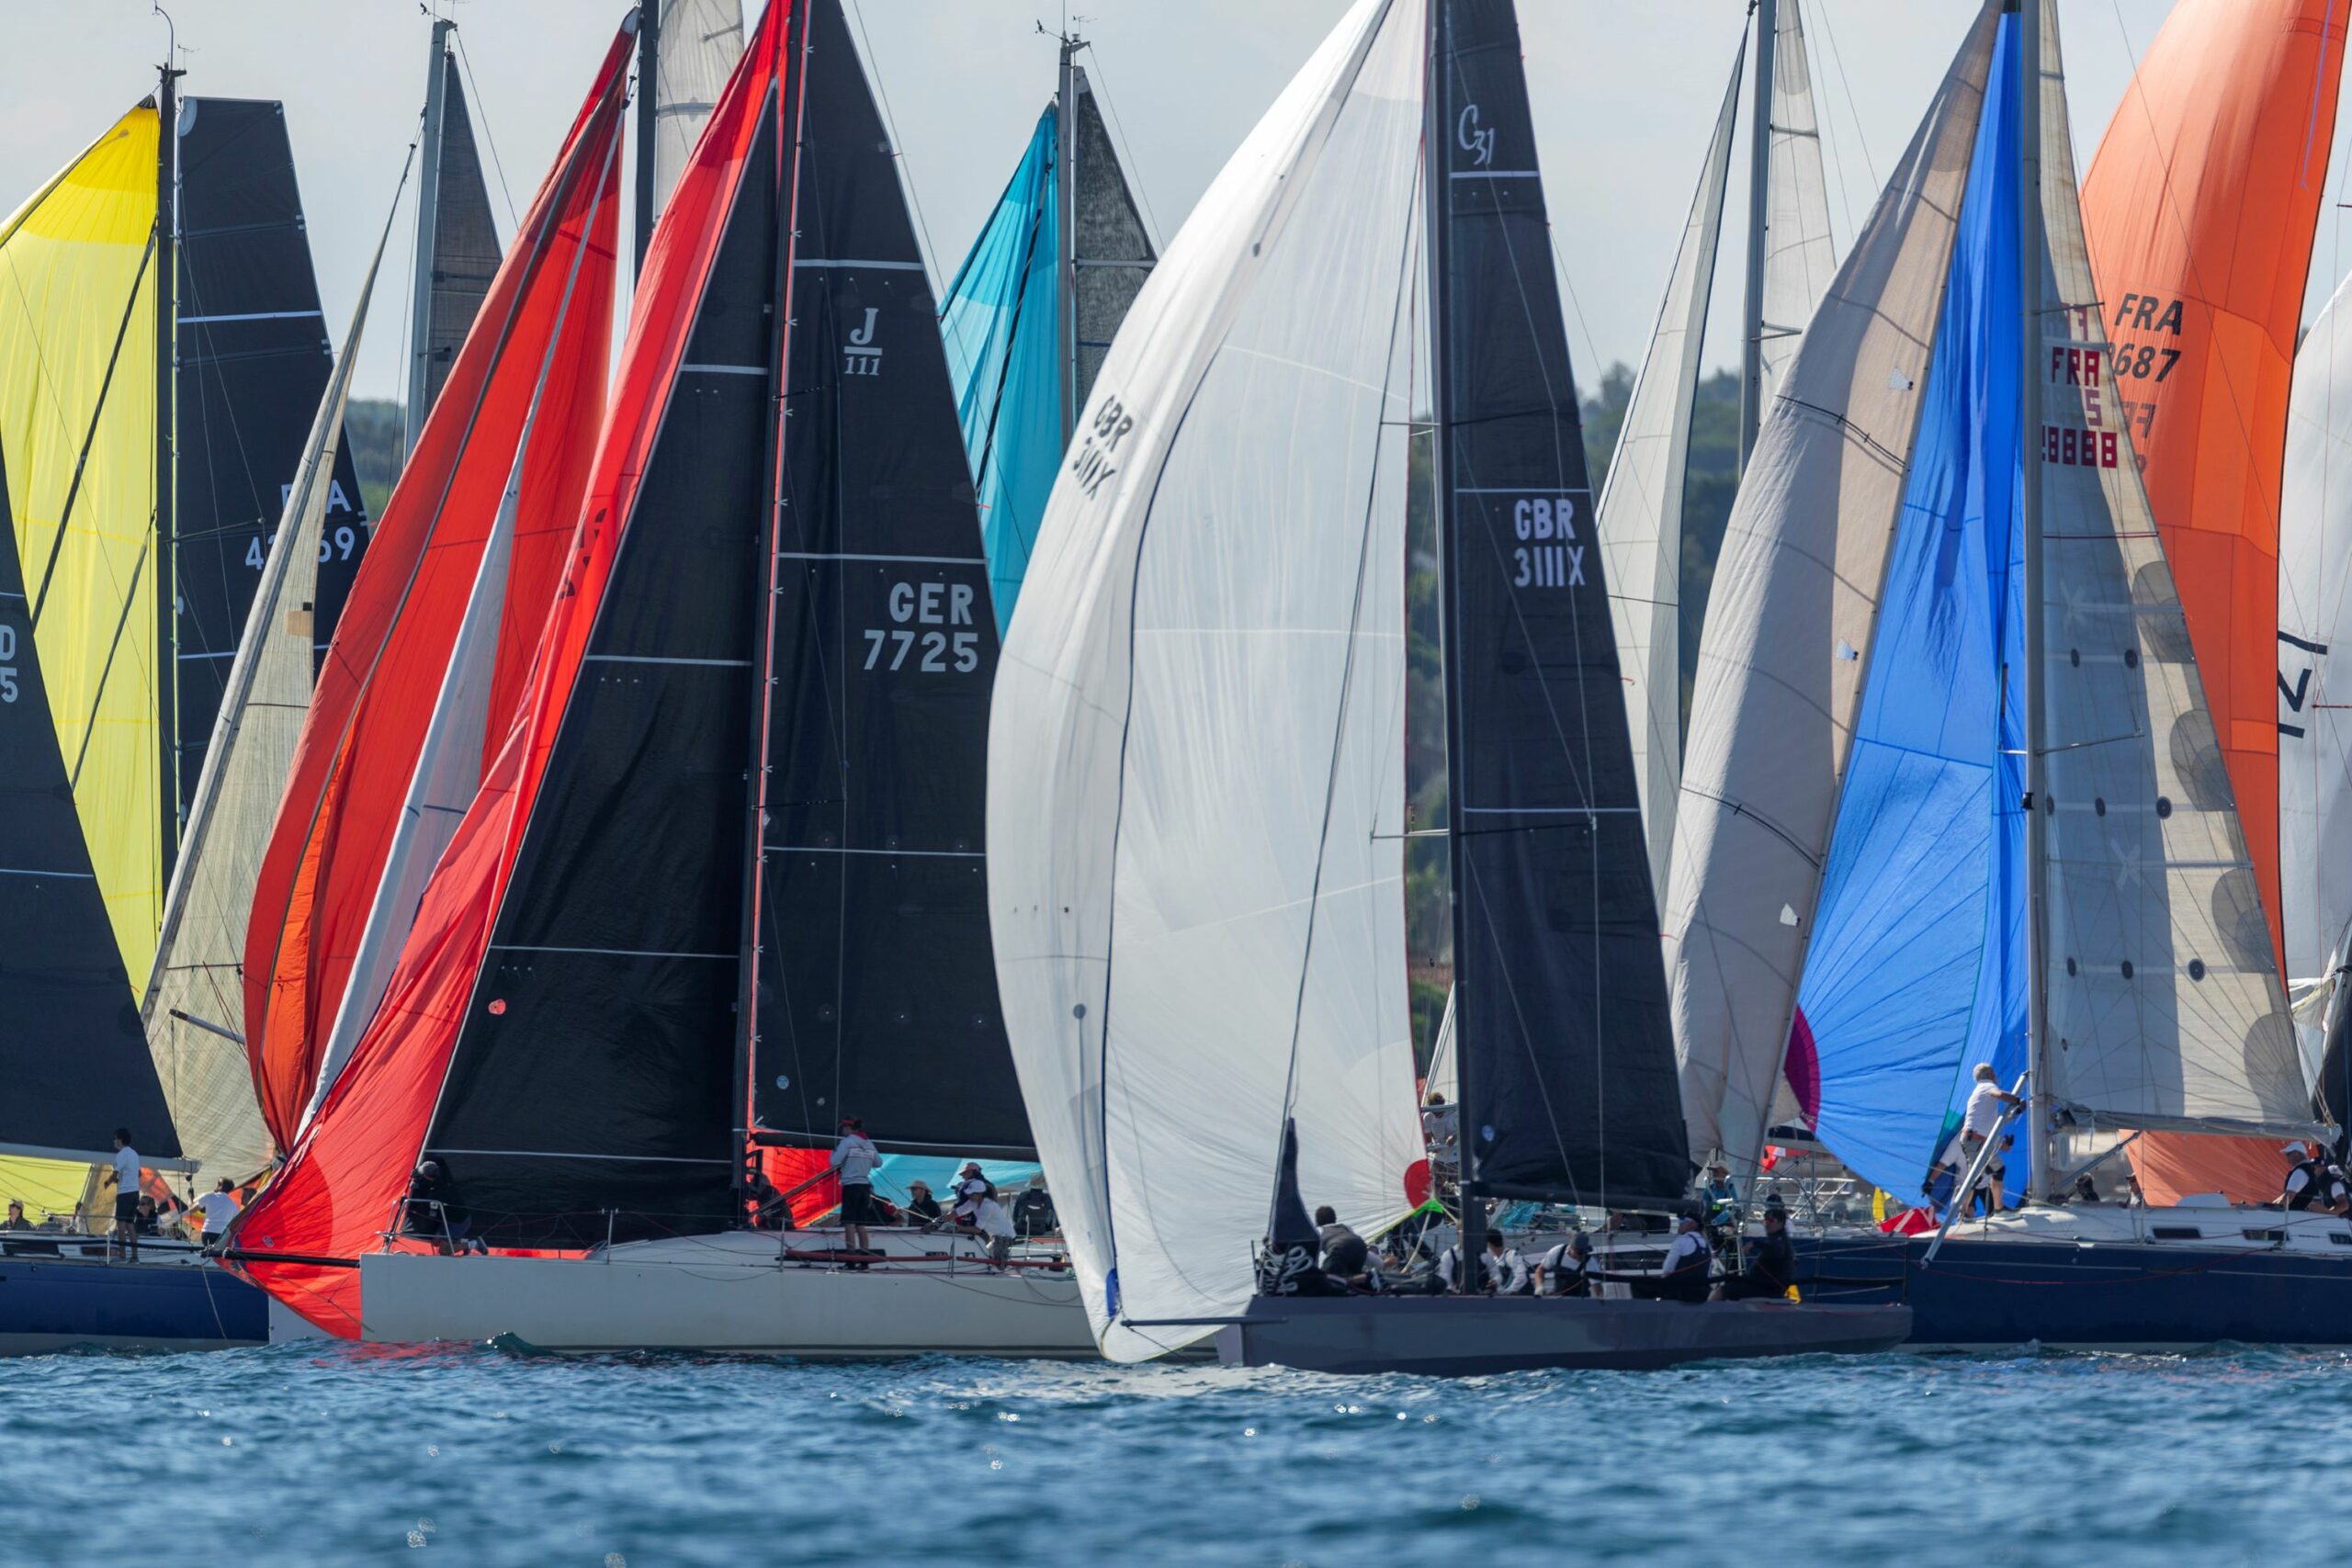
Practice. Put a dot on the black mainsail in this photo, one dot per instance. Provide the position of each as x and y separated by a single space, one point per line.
1567 1055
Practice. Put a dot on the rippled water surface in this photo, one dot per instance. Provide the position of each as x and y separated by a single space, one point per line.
336 1454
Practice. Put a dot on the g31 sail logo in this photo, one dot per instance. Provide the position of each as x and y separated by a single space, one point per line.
859 356
1476 140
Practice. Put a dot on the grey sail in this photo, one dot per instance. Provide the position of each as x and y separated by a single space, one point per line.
1110 251
194 1005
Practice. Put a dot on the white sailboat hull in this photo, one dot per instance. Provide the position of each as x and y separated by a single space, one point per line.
742 1292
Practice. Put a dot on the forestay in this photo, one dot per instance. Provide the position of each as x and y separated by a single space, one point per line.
1194 807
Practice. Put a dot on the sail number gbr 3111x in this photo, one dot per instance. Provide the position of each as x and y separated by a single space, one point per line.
1546 552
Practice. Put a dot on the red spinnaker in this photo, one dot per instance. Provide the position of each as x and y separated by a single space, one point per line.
376 690
339 1190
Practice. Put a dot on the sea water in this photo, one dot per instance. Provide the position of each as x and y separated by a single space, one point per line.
330 1453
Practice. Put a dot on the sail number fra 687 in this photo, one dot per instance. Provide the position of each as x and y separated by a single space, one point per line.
914 605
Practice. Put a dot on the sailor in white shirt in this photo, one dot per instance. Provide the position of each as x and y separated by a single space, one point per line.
1685 1274
854 1158
990 1220
126 1193
1563 1271
1986 1103
218 1207
1506 1269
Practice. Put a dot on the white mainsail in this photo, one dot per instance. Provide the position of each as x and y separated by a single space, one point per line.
1795 595
1800 255
2314 617
194 1002
2165 1006
698 48
1211 640
1640 514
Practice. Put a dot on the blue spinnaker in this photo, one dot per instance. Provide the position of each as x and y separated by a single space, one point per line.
1002 320
1915 971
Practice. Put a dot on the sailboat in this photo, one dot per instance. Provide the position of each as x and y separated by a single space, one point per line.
723 879
1195 772
1791 257
1956 794
2224 137
2315 746
148 435
442 631
1031 311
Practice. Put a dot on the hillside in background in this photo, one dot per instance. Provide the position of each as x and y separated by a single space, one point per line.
372 426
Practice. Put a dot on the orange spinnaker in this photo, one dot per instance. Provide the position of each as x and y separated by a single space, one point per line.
2199 210
341 1186
549 309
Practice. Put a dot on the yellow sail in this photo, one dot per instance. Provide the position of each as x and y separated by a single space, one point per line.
77 424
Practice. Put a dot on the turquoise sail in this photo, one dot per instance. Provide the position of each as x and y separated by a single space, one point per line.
1917 968
1002 323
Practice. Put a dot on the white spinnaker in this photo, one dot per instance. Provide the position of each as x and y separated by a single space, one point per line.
695 52
1795 595
1800 254
1195 749
2164 1003
1640 516
195 1003
444 783
2315 611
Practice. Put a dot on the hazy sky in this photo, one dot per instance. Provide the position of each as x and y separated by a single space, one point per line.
1624 98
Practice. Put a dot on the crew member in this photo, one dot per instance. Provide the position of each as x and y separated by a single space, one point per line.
1345 1256
124 1174
1684 1278
1506 1268
854 1160
218 1207
1720 1196
1986 1103
922 1209
1566 1270
989 1219
2313 1181
1771 1262
1033 1212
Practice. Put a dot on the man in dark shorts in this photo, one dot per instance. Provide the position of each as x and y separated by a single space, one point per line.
125 1177
854 1158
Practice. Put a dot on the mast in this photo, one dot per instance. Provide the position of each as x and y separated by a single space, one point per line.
1759 185
648 78
428 216
167 179
2030 252
1066 225
1435 225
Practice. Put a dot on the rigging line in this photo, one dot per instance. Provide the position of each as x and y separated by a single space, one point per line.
1861 140
97 410
1126 154
1826 132
897 148
478 112
1399 311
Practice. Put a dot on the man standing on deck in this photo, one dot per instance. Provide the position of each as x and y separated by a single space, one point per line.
1986 1103
125 1177
854 1158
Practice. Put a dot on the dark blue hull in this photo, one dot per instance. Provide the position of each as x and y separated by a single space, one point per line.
63 1303
2000 1292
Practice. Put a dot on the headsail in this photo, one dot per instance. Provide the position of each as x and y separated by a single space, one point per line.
1195 775
1800 255
695 51
194 1002
1640 520
1796 594
2314 745
465 243
376 696
2199 210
